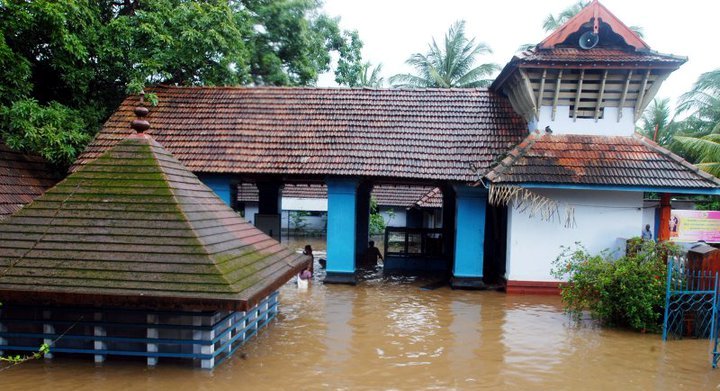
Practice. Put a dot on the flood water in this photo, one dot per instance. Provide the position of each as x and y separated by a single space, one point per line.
391 334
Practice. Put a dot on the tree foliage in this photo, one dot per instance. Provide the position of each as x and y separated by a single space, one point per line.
73 61
377 223
657 122
449 65
624 292
698 139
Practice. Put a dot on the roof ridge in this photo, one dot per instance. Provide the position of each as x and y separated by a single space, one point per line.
512 156
315 88
186 218
677 158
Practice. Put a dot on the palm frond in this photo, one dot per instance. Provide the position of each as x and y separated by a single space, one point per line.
451 64
710 168
706 150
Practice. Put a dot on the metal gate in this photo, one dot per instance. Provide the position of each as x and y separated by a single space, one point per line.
691 304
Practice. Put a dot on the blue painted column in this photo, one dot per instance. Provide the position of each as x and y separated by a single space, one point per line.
341 235
471 203
222 185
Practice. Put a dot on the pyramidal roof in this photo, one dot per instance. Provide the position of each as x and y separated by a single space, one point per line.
136 227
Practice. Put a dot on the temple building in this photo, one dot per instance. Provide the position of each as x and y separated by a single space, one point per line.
557 126
131 255
581 90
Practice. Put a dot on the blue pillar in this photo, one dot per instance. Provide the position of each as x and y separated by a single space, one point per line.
341 225
470 208
222 185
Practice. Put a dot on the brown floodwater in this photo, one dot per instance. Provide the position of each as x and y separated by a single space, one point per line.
391 334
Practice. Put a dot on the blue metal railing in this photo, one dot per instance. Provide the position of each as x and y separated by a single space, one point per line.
691 303
230 332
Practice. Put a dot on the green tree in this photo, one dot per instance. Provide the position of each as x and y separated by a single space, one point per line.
699 140
73 61
702 105
657 123
370 77
705 150
450 65
377 223
624 292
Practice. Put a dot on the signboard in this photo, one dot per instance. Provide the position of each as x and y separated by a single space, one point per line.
695 225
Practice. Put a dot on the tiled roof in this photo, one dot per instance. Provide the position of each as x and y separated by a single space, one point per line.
443 134
135 226
432 199
598 160
603 55
401 196
22 178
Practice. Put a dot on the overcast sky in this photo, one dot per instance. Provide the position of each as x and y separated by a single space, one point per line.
393 29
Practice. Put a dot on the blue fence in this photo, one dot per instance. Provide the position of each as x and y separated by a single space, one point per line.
691 304
206 337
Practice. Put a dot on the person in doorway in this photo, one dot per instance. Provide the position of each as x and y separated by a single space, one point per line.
372 254
646 233
309 253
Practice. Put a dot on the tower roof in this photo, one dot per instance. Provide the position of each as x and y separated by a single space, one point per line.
591 62
135 227
584 21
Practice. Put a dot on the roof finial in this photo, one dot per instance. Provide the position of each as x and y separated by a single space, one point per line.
140 124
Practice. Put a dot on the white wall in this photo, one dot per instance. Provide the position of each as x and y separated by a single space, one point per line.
601 217
310 223
398 220
564 124
307 204
250 209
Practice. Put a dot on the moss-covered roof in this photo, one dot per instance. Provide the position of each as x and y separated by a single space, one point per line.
136 226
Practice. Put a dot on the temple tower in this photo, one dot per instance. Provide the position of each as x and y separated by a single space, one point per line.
593 75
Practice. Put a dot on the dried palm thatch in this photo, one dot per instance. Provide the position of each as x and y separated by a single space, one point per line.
524 200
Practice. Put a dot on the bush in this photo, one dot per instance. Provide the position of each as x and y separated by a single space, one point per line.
626 292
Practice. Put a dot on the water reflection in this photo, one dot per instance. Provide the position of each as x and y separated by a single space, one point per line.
389 333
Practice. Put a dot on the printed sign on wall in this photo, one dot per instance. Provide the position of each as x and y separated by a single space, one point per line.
695 225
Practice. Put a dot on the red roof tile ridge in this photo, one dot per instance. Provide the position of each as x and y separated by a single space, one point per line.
427 197
315 88
514 155
677 158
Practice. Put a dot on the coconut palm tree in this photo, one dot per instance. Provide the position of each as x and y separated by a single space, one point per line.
552 22
702 103
700 138
705 150
371 79
450 65
657 123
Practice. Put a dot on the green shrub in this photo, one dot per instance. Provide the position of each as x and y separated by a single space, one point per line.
624 292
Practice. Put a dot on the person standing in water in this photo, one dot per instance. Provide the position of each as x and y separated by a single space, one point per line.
309 252
372 254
